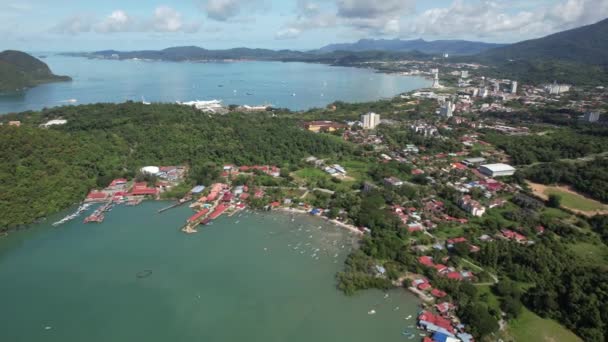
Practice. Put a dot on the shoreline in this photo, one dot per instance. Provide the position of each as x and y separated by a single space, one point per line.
346 226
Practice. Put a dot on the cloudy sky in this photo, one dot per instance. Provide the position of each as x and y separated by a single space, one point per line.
78 25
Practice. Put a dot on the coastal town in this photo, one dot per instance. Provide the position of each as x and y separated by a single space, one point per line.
432 157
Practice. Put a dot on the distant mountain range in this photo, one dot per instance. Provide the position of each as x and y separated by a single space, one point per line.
18 71
451 47
194 53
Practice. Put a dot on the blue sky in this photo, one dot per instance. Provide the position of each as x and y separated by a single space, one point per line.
71 25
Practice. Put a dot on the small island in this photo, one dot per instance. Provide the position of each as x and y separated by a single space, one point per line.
20 71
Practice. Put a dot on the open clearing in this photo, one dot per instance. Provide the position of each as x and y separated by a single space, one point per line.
531 327
570 199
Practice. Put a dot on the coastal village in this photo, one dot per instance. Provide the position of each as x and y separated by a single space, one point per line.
415 170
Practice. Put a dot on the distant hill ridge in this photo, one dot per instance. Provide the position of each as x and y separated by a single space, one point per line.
452 47
18 71
586 44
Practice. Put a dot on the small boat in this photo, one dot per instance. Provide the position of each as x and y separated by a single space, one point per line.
371 312
408 317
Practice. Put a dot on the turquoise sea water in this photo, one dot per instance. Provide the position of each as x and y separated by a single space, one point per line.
250 277
288 85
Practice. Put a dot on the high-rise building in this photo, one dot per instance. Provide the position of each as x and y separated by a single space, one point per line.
447 110
370 120
592 117
464 74
514 87
435 73
557 89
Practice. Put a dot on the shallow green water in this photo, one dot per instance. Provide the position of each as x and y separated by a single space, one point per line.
253 277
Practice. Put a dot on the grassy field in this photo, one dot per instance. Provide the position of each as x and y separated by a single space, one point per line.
531 327
312 175
590 253
575 201
486 293
570 199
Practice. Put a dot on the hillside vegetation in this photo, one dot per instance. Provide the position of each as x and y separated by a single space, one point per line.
18 70
45 170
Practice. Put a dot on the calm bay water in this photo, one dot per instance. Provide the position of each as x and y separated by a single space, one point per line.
256 277
289 85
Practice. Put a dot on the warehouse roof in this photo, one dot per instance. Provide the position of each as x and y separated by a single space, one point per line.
498 167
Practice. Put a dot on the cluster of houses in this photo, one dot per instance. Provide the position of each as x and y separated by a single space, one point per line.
445 271
335 170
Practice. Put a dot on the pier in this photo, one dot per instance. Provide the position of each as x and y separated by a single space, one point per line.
175 205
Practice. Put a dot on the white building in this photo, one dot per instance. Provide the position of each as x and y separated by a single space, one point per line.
497 170
370 120
447 110
472 206
556 89
464 74
55 122
435 73
514 87
213 106
151 170
483 92
591 117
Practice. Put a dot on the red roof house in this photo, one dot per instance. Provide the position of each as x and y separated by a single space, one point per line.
438 293
426 260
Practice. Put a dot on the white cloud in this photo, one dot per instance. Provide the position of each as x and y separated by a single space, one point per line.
288 33
224 10
73 25
493 19
118 21
373 8
165 19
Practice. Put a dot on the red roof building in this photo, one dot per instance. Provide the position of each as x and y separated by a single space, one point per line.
457 240
117 182
437 320
454 276
438 293
424 286
142 189
426 261
440 268
198 215
95 195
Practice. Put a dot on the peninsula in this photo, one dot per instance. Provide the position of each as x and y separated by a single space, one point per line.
19 71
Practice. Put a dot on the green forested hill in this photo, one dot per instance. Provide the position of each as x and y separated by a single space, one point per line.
578 56
44 170
586 45
18 70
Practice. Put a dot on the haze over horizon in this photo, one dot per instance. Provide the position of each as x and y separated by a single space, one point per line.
38 25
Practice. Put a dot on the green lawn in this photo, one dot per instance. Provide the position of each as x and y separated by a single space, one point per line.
574 201
485 292
531 327
356 169
312 175
555 213
591 253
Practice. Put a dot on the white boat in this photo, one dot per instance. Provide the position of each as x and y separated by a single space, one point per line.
371 312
